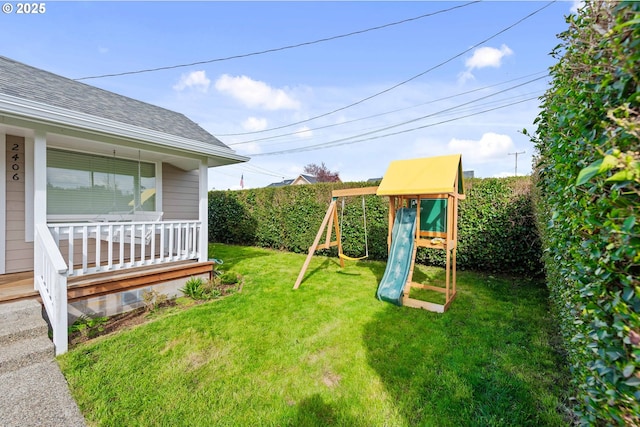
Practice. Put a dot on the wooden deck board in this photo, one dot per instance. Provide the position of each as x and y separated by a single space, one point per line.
17 286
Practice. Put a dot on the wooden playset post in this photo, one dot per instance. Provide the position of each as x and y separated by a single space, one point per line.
331 219
434 185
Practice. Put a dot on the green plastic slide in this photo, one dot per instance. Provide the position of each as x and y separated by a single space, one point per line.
399 262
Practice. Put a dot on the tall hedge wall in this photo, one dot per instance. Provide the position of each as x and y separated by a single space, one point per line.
496 223
588 181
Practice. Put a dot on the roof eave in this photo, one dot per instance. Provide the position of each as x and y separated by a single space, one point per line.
45 114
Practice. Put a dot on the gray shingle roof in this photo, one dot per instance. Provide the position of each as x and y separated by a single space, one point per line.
281 183
310 179
30 83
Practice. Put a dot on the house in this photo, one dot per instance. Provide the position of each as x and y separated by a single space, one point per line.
302 179
95 184
282 183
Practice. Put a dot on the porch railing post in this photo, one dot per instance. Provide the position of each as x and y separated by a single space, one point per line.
203 240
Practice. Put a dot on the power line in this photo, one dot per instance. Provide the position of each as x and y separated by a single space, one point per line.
458 109
342 142
402 82
278 49
260 170
470 111
396 110
434 114
253 169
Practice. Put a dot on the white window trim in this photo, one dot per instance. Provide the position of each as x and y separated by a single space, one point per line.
29 226
81 218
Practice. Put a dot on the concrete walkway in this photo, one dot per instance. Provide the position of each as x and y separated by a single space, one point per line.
33 390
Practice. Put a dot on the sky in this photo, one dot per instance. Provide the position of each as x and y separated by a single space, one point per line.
351 85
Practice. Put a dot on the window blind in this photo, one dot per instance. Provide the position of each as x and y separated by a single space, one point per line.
82 183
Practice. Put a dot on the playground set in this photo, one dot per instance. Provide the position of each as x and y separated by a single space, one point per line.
423 212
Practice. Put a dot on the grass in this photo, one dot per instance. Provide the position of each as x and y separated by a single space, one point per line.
329 353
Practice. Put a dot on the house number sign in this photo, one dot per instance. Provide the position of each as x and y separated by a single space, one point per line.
15 161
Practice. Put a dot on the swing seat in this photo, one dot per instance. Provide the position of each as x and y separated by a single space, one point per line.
348 258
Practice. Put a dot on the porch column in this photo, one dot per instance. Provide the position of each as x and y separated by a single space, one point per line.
204 210
3 201
40 178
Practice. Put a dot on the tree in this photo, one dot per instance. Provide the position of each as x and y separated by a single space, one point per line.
322 173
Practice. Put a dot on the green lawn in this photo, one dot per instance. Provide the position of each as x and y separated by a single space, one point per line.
329 353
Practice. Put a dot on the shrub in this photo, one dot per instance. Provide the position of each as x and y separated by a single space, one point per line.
587 206
229 278
219 285
88 326
496 229
193 288
496 225
152 299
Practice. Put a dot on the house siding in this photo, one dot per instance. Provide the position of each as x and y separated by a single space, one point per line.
18 252
180 196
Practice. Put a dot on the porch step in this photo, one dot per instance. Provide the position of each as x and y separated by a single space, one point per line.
34 391
109 282
20 320
25 352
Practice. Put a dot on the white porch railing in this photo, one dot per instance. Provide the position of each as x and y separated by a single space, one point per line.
98 247
50 280
108 246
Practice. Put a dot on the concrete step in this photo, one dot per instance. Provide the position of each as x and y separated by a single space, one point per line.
19 309
24 352
34 391
20 320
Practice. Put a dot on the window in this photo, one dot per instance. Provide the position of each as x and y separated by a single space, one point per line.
81 183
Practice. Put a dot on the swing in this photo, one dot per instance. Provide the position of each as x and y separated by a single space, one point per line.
366 243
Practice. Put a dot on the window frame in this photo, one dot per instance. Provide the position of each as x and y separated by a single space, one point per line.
58 218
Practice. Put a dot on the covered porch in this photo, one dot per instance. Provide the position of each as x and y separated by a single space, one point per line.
97 184
110 224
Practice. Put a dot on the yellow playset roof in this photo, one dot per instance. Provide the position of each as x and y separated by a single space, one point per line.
429 175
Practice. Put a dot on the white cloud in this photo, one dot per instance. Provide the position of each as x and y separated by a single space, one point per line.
484 57
577 5
255 94
304 132
197 80
464 76
489 147
103 50
254 124
488 57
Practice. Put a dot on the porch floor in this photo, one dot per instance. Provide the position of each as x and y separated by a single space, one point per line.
19 286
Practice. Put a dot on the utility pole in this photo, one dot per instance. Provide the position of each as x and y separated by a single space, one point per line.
516 154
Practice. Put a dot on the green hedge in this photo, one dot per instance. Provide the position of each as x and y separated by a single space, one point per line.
496 224
588 220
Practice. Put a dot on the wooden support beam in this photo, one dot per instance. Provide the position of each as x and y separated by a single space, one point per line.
312 249
416 303
362 191
428 287
336 224
327 246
